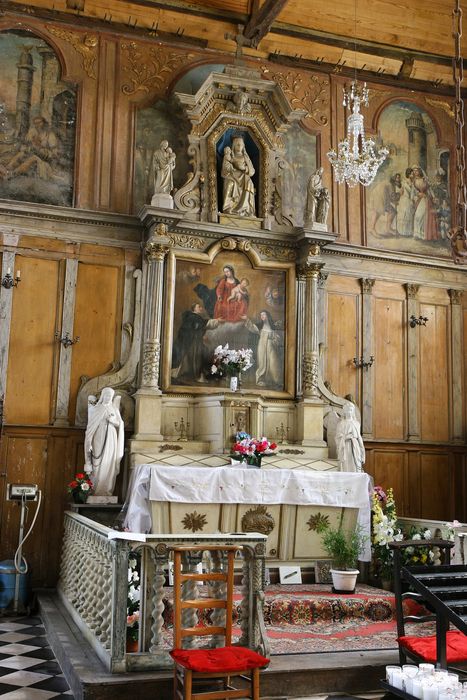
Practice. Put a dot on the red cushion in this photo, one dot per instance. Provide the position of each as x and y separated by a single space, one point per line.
219 660
425 647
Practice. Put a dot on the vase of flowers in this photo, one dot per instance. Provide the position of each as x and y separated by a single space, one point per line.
80 488
230 364
384 530
133 603
251 450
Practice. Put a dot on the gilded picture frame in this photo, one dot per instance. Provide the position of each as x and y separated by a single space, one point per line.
229 296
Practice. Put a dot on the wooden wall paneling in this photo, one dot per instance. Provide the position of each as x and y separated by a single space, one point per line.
344 312
415 485
437 481
105 123
434 374
25 462
33 350
98 310
389 369
464 347
389 470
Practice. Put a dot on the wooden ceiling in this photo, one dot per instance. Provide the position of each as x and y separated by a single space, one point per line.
411 39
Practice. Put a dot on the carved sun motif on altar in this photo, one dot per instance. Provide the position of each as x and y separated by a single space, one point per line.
194 521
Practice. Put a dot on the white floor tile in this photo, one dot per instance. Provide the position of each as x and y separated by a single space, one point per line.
20 662
29 694
24 678
14 637
17 649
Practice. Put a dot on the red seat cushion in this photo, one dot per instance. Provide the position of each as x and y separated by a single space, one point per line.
219 660
425 647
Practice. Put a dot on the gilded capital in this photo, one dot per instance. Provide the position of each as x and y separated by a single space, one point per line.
155 251
367 285
455 295
412 290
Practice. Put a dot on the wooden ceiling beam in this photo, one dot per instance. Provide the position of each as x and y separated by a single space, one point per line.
262 19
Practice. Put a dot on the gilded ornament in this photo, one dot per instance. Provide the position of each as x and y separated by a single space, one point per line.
367 285
148 69
194 521
276 252
318 523
86 45
445 106
313 97
185 241
258 519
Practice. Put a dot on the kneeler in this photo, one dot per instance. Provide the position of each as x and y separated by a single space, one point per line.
218 665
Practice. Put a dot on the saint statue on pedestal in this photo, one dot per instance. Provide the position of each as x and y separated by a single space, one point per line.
104 442
237 171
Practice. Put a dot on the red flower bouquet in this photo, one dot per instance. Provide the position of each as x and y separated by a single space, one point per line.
251 450
80 488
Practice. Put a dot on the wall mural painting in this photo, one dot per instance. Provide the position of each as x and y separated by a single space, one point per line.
37 122
408 204
228 302
163 121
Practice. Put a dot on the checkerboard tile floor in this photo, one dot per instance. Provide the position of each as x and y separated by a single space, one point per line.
28 669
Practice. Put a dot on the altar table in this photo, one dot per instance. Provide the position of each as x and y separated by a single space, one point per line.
159 495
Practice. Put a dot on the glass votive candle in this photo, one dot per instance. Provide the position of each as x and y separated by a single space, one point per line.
389 672
444 694
408 685
430 691
426 668
410 670
398 679
452 679
417 687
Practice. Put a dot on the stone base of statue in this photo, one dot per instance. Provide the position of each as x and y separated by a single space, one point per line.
315 226
102 500
162 201
247 221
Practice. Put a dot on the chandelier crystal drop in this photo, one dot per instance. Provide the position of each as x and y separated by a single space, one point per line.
357 159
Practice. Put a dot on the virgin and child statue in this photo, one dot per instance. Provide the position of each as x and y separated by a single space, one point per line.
238 195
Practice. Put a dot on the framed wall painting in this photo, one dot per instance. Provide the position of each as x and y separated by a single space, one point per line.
37 122
408 205
229 300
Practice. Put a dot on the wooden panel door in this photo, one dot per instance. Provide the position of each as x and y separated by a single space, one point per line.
389 369
434 373
98 311
343 313
437 497
33 350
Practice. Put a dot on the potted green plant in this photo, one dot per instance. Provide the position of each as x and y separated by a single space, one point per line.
344 547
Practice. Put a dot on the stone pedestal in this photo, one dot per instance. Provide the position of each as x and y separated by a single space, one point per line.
148 405
310 423
102 500
162 201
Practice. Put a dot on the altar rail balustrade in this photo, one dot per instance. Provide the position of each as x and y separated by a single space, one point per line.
93 586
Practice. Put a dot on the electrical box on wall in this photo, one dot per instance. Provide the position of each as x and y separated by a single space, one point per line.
19 492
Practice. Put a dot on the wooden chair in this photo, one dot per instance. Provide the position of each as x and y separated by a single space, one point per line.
441 594
210 665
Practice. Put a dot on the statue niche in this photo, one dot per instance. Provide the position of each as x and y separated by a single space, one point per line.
237 174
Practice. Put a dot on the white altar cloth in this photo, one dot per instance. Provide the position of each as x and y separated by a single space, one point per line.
160 482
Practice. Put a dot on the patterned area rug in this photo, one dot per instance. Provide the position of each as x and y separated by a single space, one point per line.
310 619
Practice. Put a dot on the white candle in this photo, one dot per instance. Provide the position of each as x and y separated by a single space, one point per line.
410 670
417 688
398 679
389 672
408 685
18 275
430 692
8 271
426 668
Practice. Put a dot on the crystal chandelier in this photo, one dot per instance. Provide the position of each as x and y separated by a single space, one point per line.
357 159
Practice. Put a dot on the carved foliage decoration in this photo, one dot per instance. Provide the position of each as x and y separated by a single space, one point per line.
258 519
85 44
146 68
318 522
310 92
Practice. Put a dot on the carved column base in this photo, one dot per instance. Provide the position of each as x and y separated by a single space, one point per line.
148 411
164 201
310 422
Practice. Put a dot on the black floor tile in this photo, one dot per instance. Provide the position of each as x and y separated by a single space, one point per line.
46 653
4 671
58 685
35 630
50 667
34 642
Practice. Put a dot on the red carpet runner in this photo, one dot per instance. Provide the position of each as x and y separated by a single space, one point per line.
310 619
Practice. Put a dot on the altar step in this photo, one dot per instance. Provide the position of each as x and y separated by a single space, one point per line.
288 675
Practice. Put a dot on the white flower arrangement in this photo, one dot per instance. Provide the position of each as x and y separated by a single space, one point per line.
227 361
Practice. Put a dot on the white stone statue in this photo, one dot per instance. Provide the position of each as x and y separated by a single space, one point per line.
237 171
163 162
349 443
104 442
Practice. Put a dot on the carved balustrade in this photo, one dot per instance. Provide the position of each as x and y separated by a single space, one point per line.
94 585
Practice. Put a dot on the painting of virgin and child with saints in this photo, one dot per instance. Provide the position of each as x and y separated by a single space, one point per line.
228 302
